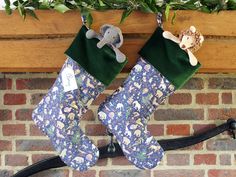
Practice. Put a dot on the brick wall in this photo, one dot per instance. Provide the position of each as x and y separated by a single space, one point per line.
205 101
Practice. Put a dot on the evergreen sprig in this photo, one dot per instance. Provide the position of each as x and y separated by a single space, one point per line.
27 7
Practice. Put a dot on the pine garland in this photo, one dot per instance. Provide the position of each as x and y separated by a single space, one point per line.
27 7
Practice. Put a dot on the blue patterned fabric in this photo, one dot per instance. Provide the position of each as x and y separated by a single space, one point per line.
127 111
58 116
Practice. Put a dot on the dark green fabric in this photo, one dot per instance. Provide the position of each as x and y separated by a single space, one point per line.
168 58
100 63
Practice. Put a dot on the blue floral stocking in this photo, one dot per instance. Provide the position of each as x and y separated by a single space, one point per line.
59 112
127 111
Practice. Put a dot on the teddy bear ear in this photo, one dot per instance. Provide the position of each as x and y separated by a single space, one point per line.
193 29
201 39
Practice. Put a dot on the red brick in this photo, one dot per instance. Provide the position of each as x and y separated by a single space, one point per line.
35 83
194 84
221 173
5 83
53 173
222 83
221 145
100 99
207 98
102 142
13 130
179 114
14 99
177 159
89 173
124 173
205 159
102 162
198 146
33 145
226 98
6 173
221 114
95 130
120 161
180 98
178 173
178 129
225 159
39 157
5 145
16 160
88 116
228 133
156 130
5 114
116 84
24 114
36 98
34 131
200 128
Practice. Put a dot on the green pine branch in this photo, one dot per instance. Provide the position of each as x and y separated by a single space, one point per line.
27 7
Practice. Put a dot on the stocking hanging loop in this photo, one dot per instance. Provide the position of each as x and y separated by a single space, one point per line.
84 20
160 16
160 19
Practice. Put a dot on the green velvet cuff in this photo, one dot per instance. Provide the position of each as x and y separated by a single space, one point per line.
100 63
168 58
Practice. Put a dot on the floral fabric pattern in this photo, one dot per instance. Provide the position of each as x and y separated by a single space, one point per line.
127 111
58 116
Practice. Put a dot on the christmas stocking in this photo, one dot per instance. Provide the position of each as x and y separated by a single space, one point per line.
166 63
85 74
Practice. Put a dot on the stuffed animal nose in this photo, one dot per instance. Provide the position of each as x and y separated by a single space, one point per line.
183 46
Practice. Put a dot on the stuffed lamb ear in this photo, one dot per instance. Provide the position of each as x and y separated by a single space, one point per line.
193 29
120 40
104 28
201 39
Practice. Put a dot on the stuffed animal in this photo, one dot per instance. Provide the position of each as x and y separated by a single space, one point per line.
189 40
110 35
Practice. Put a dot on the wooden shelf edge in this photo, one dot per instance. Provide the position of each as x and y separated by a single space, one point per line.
137 22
